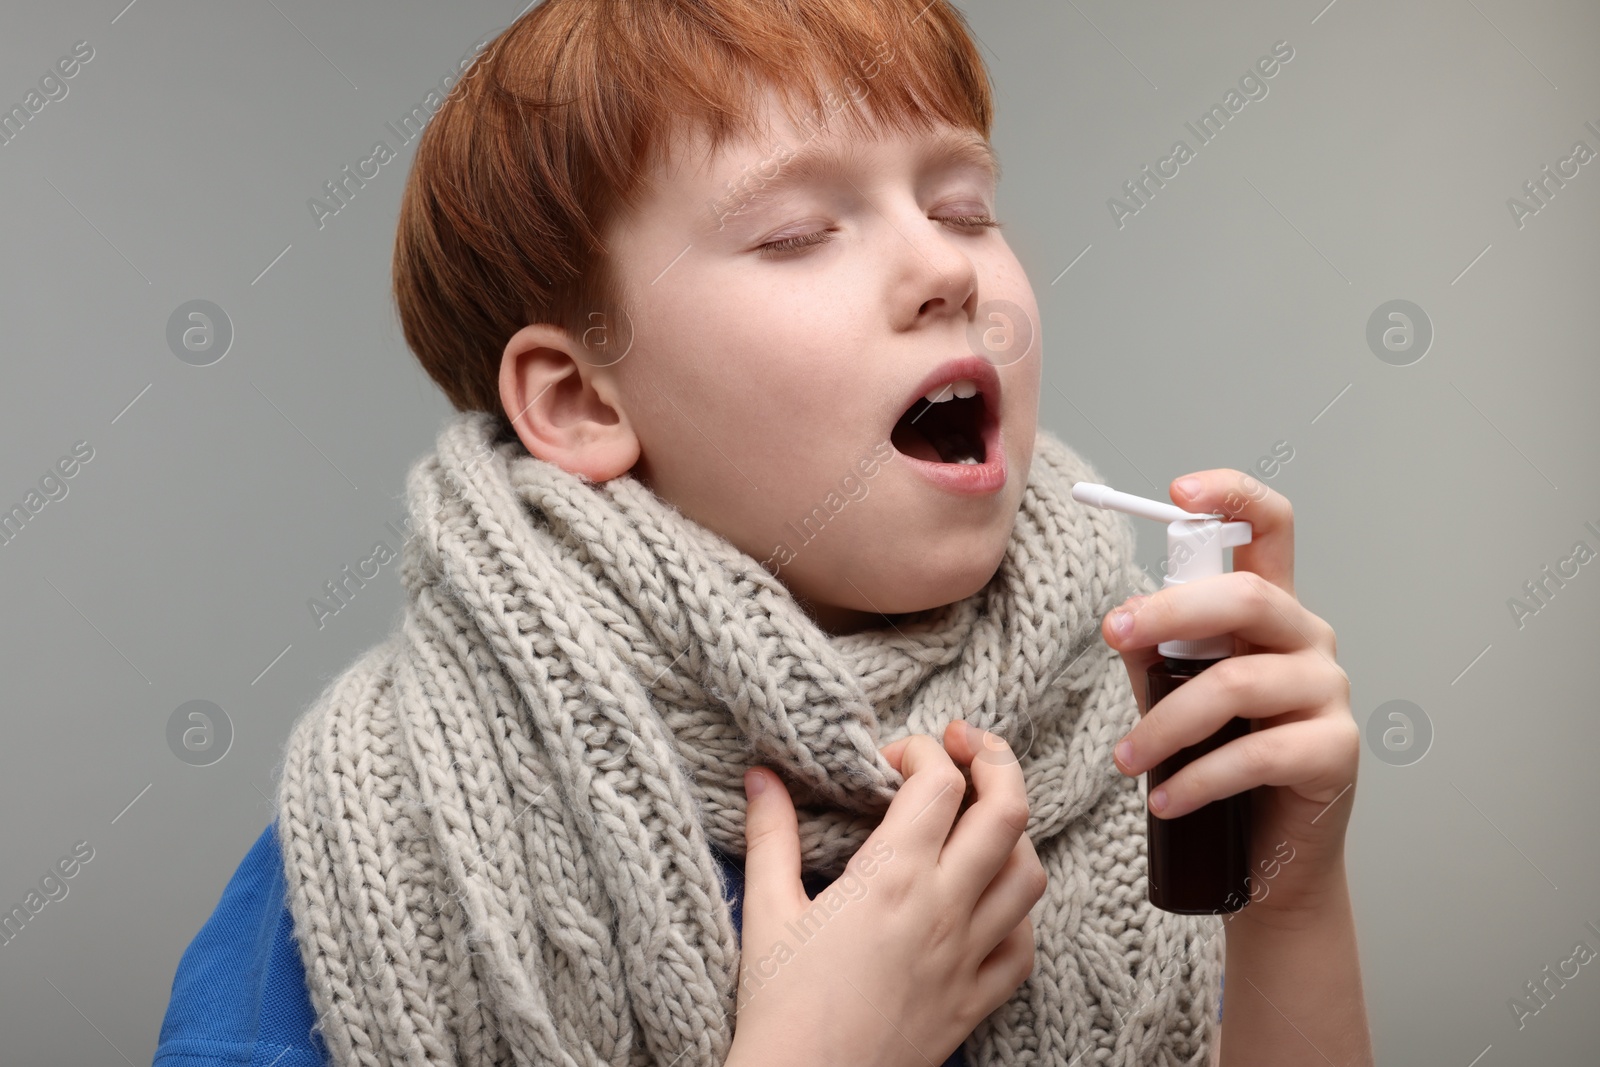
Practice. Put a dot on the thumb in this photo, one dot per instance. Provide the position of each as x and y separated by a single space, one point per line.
772 845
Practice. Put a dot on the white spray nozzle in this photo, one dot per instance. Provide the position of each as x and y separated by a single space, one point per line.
1194 550
1103 496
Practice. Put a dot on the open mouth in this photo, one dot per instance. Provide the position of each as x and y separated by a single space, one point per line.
949 428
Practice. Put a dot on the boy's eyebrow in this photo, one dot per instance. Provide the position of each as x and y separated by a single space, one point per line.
820 161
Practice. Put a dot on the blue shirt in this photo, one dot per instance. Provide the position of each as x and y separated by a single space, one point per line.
239 998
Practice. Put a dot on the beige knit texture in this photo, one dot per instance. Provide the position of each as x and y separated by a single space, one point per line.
496 823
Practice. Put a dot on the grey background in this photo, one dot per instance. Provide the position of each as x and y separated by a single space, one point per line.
1228 315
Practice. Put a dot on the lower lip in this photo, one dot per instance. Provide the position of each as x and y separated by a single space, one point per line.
973 479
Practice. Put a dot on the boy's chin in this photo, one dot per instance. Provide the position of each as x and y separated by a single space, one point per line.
927 595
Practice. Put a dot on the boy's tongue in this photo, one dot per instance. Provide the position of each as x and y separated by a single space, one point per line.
933 440
941 433
911 441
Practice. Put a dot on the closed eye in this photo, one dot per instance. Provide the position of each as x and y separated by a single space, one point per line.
778 249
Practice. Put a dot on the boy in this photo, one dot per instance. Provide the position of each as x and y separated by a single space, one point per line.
747 478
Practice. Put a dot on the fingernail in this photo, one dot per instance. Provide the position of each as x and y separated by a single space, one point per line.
1187 486
1125 753
1121 623
1158 800
974 735
754 782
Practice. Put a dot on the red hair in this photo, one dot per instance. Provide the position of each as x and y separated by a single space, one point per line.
554 131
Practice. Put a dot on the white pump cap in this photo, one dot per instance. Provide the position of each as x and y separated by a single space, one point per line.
1194 551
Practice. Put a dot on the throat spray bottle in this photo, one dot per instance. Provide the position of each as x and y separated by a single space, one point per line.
1199 862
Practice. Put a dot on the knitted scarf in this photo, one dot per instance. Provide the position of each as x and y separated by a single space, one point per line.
497 823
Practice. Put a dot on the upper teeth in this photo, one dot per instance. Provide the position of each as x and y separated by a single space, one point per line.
965 388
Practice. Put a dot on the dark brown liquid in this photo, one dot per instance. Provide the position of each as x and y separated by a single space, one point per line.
1199 862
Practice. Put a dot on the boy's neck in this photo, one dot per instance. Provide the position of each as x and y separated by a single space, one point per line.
837 622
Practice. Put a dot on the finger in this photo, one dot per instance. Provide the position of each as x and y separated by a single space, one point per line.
923 808
893 749
772 848
1007 967
1249 687
1238 496
1313 756
1137 660
1011 895
988 830
1239 603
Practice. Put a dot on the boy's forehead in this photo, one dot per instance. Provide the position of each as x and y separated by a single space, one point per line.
771 136
772 139
807 154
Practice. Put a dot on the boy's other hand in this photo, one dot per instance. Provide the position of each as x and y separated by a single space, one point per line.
924 934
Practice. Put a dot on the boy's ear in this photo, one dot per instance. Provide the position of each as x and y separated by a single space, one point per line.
563 407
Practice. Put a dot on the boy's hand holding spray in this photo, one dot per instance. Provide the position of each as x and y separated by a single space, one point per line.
1297 768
